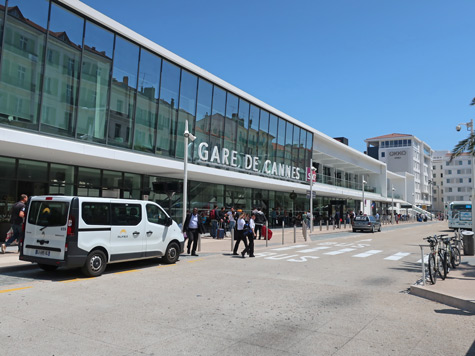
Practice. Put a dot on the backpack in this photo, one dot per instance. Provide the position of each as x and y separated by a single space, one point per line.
212 214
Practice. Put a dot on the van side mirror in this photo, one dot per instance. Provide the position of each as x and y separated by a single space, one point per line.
169 221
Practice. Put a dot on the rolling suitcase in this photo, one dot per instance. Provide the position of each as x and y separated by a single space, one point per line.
220 232
266 231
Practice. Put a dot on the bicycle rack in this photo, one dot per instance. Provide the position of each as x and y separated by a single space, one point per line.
423 264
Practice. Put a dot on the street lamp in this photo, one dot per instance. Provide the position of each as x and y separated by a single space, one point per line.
364 182
188 136
392 203
470 127
312 171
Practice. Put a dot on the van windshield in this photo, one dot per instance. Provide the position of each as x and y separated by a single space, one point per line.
48 213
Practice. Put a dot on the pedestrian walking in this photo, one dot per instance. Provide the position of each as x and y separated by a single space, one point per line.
16 220
193 227
240 233
213 216
259 220
249 232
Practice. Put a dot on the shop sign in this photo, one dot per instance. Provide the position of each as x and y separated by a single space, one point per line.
232 158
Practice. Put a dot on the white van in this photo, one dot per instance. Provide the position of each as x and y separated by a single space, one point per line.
65 231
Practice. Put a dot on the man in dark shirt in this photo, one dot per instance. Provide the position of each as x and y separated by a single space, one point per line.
193 226
17 217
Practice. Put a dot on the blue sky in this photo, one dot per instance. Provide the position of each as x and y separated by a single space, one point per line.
353 68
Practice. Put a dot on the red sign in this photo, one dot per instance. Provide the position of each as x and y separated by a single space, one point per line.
309 173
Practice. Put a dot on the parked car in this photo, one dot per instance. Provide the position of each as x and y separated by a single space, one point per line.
366 223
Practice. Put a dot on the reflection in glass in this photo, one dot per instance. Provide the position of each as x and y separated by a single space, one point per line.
304 163
8 167
60 84
273 122
124 83
32 170
131 186
280 151
147 101
203 115
289 134
2 14
89 182
243 126
61 179
186 112
295 150
264 136
253 135
230 123
217 117
94 87
168 108
22 62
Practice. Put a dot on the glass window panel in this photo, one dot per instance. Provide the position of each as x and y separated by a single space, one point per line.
230 124
273 122
295 149
242 126
22 62
89 181
111 179
203 115
7 167
264 136
2 12
304 162
124 82
253 135
217 121
94 87
186 112
132 186
60 85
168 109
288 143
309 146
147 101
61 179
32 170
281 141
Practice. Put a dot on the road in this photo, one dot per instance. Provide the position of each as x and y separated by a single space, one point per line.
340 294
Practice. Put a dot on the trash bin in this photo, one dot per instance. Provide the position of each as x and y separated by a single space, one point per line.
468 243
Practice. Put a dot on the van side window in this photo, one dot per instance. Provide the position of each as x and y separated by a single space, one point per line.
96 213
126 214
156 215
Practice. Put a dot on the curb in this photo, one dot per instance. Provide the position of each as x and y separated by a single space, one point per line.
443 298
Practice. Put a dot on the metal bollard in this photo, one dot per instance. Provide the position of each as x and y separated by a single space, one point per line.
295 233
334 226
232 239
199 242
339 225
304 231
283 232
328 226
267 235
423 265
344 226
320 225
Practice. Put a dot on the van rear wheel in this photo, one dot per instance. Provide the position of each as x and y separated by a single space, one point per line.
47 268
95 264
172 253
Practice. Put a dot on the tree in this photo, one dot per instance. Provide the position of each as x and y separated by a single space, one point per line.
466 145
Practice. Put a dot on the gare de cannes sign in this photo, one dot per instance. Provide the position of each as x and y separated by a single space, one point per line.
232 158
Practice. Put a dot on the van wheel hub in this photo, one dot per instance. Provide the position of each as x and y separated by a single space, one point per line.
96 263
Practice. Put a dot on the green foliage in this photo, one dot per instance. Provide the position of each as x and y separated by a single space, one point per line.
466 145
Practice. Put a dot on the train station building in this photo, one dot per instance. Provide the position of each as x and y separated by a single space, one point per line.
89 107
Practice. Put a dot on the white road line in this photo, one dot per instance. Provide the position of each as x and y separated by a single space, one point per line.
340 251
288 248
280 257
314 249
368 253
397 256
426 259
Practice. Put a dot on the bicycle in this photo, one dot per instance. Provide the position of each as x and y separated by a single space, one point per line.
435 259
452 253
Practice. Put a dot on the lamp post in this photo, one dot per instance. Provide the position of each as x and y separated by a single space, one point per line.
392 203
188 136
312 170
362 190
470 127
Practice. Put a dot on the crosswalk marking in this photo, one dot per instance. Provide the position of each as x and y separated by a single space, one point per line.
338 252
397 256
288 248
314 249
368 253
280 257
426 259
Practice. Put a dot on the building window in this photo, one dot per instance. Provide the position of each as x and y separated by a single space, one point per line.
23 43
382 155
21 75
460 163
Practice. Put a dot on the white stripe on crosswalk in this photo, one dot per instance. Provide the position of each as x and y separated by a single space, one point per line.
426 259
288 248
397 256
368 253
314 249
340 251
279 257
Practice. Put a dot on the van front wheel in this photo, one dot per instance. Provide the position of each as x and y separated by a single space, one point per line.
95 264
172 253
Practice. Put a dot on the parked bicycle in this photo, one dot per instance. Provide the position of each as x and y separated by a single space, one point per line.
436 259
452 254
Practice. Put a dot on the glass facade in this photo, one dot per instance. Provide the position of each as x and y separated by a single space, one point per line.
64 75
